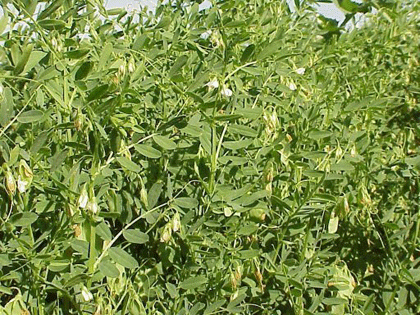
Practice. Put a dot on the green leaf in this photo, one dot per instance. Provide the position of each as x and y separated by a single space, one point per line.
109 269
102 229
23 219
30 116
193 283
57 160
231 117
50 9
76 54
164 22
319 134
243 130
164 142
153 194
334 301
249 253
39 142
172 290
270 49
214 306
186 202
6 109
4 21
98 92
80 246
83 70
128 164
147 151
343 165
248 51
236 145
136 236
123 258
23 59
34 59
248 229
52 24
105 55
179 63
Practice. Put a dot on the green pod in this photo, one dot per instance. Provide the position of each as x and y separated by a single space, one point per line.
257 215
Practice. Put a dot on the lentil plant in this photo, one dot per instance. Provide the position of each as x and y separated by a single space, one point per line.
240 159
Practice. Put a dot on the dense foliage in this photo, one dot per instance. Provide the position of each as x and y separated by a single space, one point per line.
239 159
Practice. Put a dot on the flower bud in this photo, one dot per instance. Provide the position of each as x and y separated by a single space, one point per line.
206 34
292 86
83 199
10 183
131 66
213 84
121 70
176 223
92 205
86 294
257 214
300 71
166 233
226 92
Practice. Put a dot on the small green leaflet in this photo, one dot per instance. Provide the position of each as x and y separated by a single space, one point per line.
269 50
243 130
58 159
165 142
147 151
319 134
109 269
123 258
6 107
136 236
179 63
128 164
193 283
185 202
23 219
52 24
103 231
30 116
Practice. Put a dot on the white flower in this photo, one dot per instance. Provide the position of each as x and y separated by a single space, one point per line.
83 36
213 84
87 296
131 67
206 34
300 71
22 184
226 92
83 199
92 206
292 86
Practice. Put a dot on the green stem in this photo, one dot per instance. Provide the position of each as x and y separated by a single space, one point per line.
92 251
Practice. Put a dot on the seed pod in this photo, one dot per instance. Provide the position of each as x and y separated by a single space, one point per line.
143 197
115 138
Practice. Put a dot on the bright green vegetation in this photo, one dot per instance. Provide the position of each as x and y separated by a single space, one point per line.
150 166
